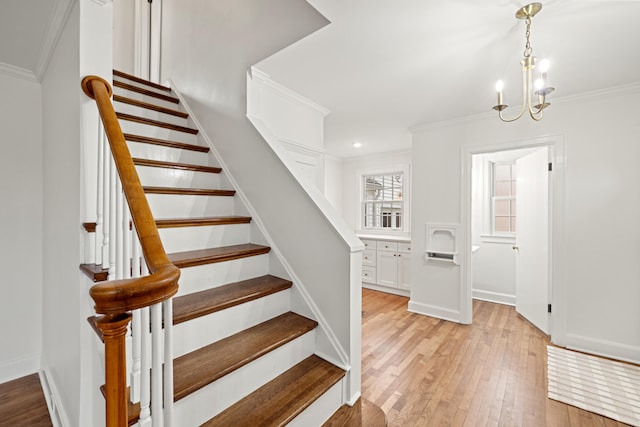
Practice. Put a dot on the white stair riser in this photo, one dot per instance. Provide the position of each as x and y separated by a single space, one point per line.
146 98
194 334
209 401
157 132
168 177
191 238
123 107
182 206
320 410
169 154
201 277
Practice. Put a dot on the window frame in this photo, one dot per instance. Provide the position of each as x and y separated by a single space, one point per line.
493 198
402 169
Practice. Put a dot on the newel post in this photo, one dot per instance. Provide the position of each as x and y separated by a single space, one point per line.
114 329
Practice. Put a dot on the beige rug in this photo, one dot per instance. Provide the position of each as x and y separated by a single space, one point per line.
608 388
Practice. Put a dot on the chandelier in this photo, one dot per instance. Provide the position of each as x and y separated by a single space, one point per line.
530 88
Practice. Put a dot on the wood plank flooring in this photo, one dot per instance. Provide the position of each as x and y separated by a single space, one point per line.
424 371
22 403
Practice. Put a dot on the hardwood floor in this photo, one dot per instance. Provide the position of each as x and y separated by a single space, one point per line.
424 371
22 403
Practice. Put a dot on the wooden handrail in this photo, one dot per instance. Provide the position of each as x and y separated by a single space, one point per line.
115 299
120 296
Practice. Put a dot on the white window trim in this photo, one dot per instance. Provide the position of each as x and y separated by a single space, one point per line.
404 169
489 235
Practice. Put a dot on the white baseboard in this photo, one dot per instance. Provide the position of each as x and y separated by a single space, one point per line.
494 297
386 289
51 392
434 311
599 347
18 368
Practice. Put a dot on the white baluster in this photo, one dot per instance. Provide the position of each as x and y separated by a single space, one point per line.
106 207
145 370
113 194
168 362
137 324
120 235
156 362
99 201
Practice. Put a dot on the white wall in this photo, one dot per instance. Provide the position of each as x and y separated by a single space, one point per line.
294 122
333 181
596 292
352 166
61 251
207 49
123 35
20 227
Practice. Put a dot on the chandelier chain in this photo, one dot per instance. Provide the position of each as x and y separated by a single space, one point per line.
527 47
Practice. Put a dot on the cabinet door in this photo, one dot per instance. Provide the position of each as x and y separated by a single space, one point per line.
387 269
404 271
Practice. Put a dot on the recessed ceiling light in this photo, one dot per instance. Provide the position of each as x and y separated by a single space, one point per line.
357 144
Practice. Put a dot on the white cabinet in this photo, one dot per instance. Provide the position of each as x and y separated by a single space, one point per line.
386 263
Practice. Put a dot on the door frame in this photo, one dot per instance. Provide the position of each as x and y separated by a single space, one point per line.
556 144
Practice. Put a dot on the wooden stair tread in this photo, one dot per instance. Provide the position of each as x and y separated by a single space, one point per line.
201 222
207 364
149 106
147 92
282 399
209 301
213 255
93 321
158 123
140 80
188 191
176 165
95 272
362 414
165 143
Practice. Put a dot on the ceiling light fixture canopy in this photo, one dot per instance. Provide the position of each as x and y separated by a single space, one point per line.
540 87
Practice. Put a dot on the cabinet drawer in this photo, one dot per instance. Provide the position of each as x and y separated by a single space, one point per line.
369 257
369 244
405 248
387 246
369 274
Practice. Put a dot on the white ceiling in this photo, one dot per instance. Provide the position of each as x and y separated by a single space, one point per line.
23 27
384 66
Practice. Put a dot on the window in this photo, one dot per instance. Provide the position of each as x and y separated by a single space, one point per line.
503 198
383 202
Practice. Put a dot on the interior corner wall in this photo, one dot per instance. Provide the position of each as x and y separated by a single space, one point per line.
597 274
61 222
20 227
123 35
333 181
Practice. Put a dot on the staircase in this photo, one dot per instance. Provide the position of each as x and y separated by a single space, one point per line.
241 357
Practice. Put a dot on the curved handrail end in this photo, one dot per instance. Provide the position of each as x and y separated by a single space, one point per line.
88 89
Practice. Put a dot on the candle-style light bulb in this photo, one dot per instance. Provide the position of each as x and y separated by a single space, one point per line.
544 66
499 87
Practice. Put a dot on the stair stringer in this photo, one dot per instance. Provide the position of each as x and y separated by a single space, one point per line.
327 343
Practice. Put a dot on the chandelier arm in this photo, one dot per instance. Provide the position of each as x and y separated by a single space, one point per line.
524 99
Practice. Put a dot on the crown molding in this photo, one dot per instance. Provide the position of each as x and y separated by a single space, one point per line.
265 78
568 99
103 2
18 72
58 19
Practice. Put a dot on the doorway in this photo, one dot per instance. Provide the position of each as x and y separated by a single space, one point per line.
491 216
509 230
